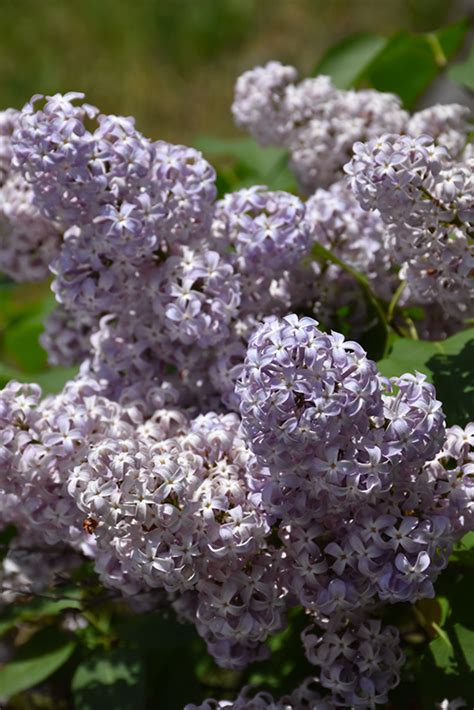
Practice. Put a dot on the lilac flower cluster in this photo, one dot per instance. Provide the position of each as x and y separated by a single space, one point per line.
359 664
28 241
146 246
305 697
232 459
414 174
334 492
425 198
318 124
349 474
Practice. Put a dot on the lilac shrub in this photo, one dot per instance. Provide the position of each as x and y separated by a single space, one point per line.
219 450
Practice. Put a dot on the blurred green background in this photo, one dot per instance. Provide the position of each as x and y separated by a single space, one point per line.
173 63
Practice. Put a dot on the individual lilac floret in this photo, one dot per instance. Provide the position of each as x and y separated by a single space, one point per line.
451 704
265 230
359 663
257 107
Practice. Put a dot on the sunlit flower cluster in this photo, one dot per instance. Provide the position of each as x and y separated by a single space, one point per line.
237 460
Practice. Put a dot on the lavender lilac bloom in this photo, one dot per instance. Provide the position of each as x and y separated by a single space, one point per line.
318 123
28 241
213 450
425 198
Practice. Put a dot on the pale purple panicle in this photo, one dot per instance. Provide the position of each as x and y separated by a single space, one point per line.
214 452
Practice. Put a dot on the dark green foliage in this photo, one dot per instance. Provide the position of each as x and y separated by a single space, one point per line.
404 64
447 364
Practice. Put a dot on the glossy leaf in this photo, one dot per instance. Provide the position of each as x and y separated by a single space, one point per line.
51 380
114 679
241 162
463 73
448 364
21 344
409 63
346 61
463 553
35 662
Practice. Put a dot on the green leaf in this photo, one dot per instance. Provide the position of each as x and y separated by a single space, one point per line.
463 73
34 610
465 638
409 63
448 364
406 67
407 356
246 150
6 536
346 61
154 632
35 662
452 37
21 344
443 654
51 380
446 669
8 373
115 679
244 163
463 553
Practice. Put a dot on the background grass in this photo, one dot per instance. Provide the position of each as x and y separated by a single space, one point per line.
173 63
